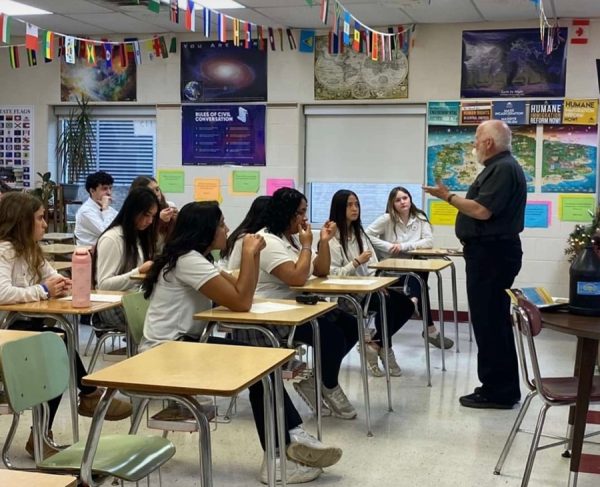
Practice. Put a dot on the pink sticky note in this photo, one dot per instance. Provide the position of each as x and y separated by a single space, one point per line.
273 184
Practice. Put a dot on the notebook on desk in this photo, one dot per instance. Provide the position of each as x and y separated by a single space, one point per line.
538 296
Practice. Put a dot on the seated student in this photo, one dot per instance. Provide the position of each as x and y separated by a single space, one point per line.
351 255
95 214
287 261
167 210
125 248
401 228
184 281
25 276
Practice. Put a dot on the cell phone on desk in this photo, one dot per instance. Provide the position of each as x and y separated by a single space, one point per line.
307 298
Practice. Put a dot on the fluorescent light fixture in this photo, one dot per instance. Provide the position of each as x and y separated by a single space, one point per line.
9 7
213 4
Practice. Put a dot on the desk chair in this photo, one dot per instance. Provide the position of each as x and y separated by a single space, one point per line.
553 391
5 409
35 370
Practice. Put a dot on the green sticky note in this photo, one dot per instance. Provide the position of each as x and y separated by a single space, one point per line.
171 181
576 208
246 181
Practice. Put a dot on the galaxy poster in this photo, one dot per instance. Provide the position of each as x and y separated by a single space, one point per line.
223 134
102 81
220 72
512 63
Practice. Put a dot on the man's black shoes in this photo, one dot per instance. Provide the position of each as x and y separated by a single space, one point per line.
478 401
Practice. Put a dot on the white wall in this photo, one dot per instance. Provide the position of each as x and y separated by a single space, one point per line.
434 75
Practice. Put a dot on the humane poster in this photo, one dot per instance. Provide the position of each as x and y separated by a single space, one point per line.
102 81
213 71
351 75
510 112
580 112
16 146
545 112
569 159
512 63
443 112
223 134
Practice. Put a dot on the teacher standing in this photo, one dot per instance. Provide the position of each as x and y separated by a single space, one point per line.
490 218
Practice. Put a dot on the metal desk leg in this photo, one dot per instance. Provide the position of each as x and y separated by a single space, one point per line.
441 317
317 373
454 302
270 431
363 361
280 426
386 345
425 308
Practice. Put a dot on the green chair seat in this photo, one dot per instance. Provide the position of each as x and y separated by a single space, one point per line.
128 457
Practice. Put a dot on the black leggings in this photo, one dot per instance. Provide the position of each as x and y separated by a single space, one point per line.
414 290
37 324
398 307
339 333
292 418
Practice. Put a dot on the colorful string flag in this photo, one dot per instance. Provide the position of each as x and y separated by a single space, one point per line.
271 38
346 27
13 55
164 52
48 45
137 52
280 32
332 43
206 16
248 36
190 16
375 47
173 45
307 41
236 32
31 58
156 46
91 52
261 40
31 37
310 3
154 6
70 49
291 39
5 28
108 54
222 28
324 10
174 11
123 55
356 41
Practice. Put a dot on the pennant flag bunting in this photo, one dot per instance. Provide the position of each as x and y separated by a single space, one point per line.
222 28
248 37
291 39
70 49
375 47
13 54
155 46
48 45
5 28
236 32
123 55
137 52
280 32
356 41
333 44
190 16
164 52
307 41
324 10
347 28
154 6
271 38
31 37
173 45
174 11
31 58
261 40
108 54
206 12
91 52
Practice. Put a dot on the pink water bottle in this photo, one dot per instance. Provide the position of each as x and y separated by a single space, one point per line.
81 275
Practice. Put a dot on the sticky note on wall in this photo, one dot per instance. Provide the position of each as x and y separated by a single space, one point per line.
245 181
171 180
576 208
207 189
441 213
273 184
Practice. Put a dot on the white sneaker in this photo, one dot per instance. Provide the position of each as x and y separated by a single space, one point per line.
306 449
395 370
307 391
372 356
296 472
339 404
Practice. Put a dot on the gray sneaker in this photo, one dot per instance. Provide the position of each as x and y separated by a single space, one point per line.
339 404
307 391
306 449
296 472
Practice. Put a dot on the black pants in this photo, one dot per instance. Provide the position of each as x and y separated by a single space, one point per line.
399 308
414 291
491 267
292 417
37 324
339 333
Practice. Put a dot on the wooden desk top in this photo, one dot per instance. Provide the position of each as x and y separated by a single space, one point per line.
293 317
59 237
580 326
437 252
59 249
411 265
12 335
56 306
320 285
60 266
19 478
192 368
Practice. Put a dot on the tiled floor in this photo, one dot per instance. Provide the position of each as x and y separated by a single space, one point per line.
429 440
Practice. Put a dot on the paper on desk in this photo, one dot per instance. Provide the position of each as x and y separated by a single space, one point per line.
349 282
101 298
270 307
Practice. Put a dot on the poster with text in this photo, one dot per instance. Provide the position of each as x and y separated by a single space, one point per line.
512 63
102 81
351 75
16 146
223 134
569 159
213 71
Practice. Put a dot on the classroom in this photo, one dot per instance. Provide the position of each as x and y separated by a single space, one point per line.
359 95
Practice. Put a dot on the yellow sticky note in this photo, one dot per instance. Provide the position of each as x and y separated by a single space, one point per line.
207 189
441 213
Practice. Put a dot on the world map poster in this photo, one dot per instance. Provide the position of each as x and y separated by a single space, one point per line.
450 155
569 158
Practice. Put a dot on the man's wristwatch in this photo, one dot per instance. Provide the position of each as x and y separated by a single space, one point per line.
450 196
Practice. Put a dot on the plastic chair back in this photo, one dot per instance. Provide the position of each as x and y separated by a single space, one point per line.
34 369
135 307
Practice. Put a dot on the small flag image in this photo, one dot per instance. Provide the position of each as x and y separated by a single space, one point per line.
31 37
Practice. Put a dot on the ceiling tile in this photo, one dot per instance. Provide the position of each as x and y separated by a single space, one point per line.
577 8
494 10
69 6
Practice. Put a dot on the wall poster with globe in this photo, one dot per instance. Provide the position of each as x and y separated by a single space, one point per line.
213 71
354 75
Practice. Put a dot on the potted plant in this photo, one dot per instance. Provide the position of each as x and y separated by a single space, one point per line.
45 191
75 148
581 236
